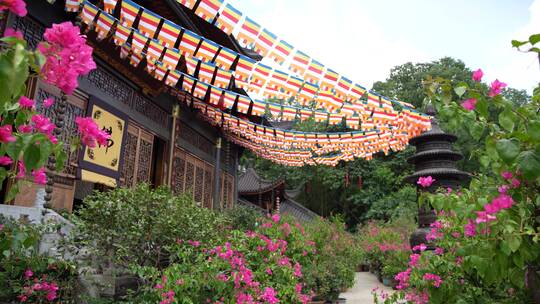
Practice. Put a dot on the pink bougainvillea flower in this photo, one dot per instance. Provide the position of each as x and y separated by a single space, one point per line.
414 258
421 247
9 32
496 88
47 103
270 295
28 274
484 217
439 251
477 75
433 277
515 183
276 218
67 56
503 201
6 134
22 298
469 104
21 170
26 103
40 177
25 129
18 7
425 181
5 161
90 132
42 124
507 175
470 228
503 189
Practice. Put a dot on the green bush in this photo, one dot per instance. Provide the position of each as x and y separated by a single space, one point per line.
26 275
243 217
136 226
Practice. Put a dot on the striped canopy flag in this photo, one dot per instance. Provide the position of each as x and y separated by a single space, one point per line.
293 85
207 50
244 85
260 74
206 72
314 72
172 78
321 117
200 90
103 25
225 58
356 92
187 3
264 42
171 58
168 35
305 114
188 83
275 109
248 32
386 103
128 12
135 59
208 9
189 43
215 96
289 113
307 93
343 87
73 5
124 51
150 66
353 122
160 72
270 92
229 99
88 13
155 49
223 78
139 42
243 104
348 110
228 19
278 80
299 63
191 65
329 80
244 68
121 34
373 101
259 107
280 53
109 5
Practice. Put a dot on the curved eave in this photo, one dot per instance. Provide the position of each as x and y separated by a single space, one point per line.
438 174
431 137
443 154
266 188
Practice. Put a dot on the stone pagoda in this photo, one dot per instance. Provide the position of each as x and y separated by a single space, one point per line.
434 157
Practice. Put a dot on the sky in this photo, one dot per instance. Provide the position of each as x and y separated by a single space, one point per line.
364 39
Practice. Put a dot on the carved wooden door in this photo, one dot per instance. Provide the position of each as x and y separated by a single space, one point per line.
138 158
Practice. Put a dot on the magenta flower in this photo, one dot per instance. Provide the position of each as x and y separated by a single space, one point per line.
433 277
503 189
18 7
484 217
425 181
25 129
21 170
26 103
421 247
42 124
477 75
47 103
507 175
469 104
470 228
439 251
90 132
276 218
40 177
28 274
269 295
9 32
515 183
5 161
67 56
496 87
414 258
6 134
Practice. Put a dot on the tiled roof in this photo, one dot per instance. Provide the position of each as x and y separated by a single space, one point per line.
295 209
251 182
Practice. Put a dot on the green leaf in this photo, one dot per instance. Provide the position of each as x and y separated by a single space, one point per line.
516 43
13 190
513 242
477 129
460 90
529 164
534 130
31 157
482 107
13 72
508 149
61 158
507 118
533 39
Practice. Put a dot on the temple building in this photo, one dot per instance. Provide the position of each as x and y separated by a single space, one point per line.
150 144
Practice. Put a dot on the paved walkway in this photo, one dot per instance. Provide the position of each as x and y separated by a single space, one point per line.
361 291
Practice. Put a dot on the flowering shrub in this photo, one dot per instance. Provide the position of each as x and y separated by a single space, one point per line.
487 236
26 137
25 275
261 266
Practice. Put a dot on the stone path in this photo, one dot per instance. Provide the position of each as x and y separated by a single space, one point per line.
361 291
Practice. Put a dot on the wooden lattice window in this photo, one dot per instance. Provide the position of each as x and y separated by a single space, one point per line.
227 190
137 163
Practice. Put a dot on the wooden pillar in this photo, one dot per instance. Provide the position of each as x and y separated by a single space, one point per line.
217 176
175 115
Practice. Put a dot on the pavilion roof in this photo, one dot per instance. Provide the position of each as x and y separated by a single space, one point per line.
251 183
